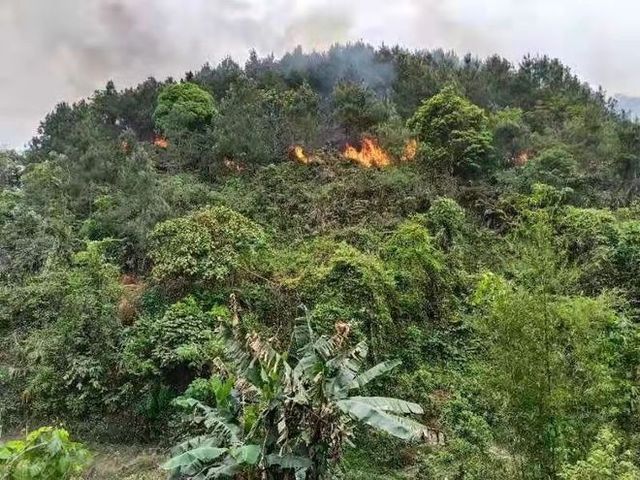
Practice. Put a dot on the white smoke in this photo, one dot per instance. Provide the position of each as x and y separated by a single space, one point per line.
53 50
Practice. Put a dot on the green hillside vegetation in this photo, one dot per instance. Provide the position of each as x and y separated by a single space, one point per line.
195 266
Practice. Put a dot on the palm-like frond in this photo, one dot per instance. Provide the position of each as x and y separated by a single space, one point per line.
303 335
387 404
310 400
217 425
374 372
377 412
192 457
292 462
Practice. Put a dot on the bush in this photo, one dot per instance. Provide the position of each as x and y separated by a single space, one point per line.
418 269
45 454
357 108
182 107
446 219
455 132
73 360
209 245
182 338
341 282
605 461
627 256
554 166
590 237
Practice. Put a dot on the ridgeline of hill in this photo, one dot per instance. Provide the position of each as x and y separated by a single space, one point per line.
362 263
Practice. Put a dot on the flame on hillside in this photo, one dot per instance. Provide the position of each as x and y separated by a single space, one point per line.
410 150
161 142
369 155
521 158
296 152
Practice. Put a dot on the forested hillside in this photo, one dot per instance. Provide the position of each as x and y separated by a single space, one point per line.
358 264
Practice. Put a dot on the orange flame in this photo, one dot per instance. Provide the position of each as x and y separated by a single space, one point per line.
521 158
161 142
370 154
410 150
296 152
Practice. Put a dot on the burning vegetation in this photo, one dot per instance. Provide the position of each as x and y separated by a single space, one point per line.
161 142
521 158
410 150
369 155
296 153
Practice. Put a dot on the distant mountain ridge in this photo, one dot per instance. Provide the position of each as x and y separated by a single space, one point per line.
629 104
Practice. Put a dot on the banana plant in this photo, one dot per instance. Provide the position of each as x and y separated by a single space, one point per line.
305 402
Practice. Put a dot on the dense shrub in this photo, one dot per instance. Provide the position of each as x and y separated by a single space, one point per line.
114 266
208 245
454 131
182 107
73 360
181 339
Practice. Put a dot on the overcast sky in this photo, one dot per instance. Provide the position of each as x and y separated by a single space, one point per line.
54 50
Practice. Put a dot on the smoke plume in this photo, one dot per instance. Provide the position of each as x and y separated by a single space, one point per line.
64 49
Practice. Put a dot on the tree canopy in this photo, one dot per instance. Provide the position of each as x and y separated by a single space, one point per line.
358 263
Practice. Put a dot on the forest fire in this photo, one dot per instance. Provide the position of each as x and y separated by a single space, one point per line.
161 142
521 158
369 155
410 150
296 152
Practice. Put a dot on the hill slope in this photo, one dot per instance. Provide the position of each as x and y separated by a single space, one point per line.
476 220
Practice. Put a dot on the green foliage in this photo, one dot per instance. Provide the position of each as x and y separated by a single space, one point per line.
627 255
10 169
454 131
258 126
590 236
183 107
211 391
305 407
551 363
553 166
45 454
604 461
114 270
72 361
627 161
358 109
587 229
182 336
418 268
510 133
346 283
446 219
209 245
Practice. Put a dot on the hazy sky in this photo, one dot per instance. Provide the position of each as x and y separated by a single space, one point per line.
53 50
